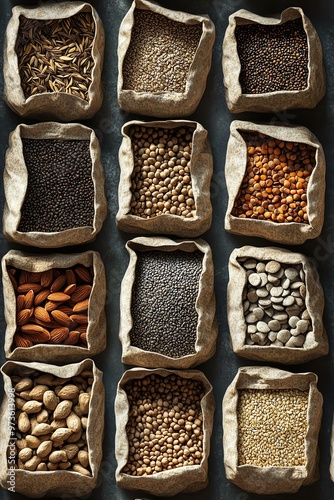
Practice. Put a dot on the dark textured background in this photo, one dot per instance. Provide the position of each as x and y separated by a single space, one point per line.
213 114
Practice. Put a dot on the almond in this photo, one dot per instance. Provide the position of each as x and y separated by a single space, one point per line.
81 293
37 337
84 399
83 274
29 299
42 466
66 309
32 328
34 277
45 378
81 306
24 384
83 458
25 454
70 277
58 283
47 278
42 416
61 317
58 335
79 319
23 422
69 391
60 435
58 456
57 423
32 463
50 400
74 422
32 407
26 287
23 317
41 314
51 305
63 409
51 324
82 328
41 429
38 391
20 300
70 289
41 296
71 450
58 297
81 470
72 338
83 337
44 449
23 277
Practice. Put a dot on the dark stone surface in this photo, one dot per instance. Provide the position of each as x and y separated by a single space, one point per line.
213 115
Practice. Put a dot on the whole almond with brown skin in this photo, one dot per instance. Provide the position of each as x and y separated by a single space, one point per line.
41 296
58 456
41 314
58 335
81 470
70 277
83 458
20 301
34 277
38 391
73 422
23 276
51 324
70 289
50 400
58 297
81 306
83 274
23 317
32 441
60 435
21 444
58 283
22 341
69 391
25 384
32 328
51 305
32 463
42 416
23 422
79 319
82 328
62 410
44 449
29 299
83 337
75 437
61 317
19 402
72 338
25 454
65 309
41 429
41 467
26 287
71 450
47 278
81 293
32 406
84 399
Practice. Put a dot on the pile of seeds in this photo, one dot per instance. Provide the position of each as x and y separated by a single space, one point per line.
60 191
160 53
163 302
274 304
274 187
52 306
165 425
56 55
272 58
51 422
161 179
272 426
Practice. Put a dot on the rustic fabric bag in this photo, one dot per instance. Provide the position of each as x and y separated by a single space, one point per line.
166 104
16 181
290 233
238 102
316 343
207 327
57 105
56 353
56 483
271 480
201 172
187 479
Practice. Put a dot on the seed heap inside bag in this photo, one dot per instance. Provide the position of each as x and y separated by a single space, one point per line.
165 425
51 421
163 302
274 304
160 53
52 306
60 191
274 187
272 426
56 55
272 58
161 179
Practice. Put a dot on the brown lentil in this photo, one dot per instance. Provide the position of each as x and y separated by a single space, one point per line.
60 191
160 53
272 426
56 55
161 179
163 302
274 187
165 424
272 58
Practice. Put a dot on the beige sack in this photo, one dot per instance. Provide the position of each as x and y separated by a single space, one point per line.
187 479
201 172
56 353
271 479
57 105
16 181
238 102
207 327
316 344
167 104
56 483
290 233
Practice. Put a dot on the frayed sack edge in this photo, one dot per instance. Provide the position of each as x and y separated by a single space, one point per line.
271 480
207 326
201 173
166 483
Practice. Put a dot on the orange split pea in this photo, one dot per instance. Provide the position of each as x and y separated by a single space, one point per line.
274 187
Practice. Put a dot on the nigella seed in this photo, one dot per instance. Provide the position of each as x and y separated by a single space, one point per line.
163 302
60 190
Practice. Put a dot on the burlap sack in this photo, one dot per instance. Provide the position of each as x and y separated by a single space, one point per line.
238 102
316 343
16 181
290 233
271 480
187 479
166 104
207 327
57 105
201 172
56 353
56 483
